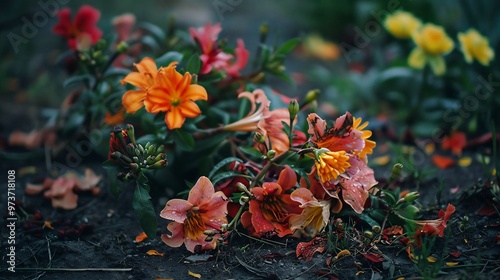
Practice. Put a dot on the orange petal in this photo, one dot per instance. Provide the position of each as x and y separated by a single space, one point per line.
136 79
154 253
132 100
189 109
465 161
140 237
382 160
147 65
196 92
195 275
442 162
174 119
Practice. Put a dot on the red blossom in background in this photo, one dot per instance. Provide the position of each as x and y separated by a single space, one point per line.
434 227
213 57
83 31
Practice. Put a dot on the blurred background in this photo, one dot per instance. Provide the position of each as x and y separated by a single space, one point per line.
357 44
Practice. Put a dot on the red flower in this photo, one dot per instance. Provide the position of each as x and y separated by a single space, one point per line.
82 32
271 209
213 57
455 142
434 227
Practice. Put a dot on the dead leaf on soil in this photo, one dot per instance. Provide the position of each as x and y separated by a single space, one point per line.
342 253
306 250
465 161
451 264
443 162
140 237
195 275
154 253
373 257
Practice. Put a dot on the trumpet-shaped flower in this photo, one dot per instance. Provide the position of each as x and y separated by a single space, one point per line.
315 213
174 94
204 210
402 24
144 79
272 207
434 227
83 31
475 46
259 107
432 43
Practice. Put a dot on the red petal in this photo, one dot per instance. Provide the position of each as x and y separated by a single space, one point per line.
443 162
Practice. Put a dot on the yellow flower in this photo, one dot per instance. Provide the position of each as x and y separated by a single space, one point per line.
402 24
331 164
369 144
174 94
432 42
475 46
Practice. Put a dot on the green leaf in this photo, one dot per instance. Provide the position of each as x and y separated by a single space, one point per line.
223 163
150 42
168 58
367 219
226 175
288 46
184 140
194 64
154 30
251 151
112 72
144 210
86 79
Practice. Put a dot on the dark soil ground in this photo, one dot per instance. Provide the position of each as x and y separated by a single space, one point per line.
96 240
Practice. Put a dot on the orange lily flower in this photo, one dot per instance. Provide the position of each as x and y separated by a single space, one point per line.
144 79
315 213
204 210
174 94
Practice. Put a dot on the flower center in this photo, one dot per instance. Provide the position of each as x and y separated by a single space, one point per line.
175 101
331 165
193 225
273 209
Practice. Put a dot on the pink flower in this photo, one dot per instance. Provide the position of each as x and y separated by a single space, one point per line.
213 57
83 31
315 213
204 210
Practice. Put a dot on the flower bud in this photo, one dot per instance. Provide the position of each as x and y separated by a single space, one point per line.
368 234
131 133
134 166
259 138
209 238
122 47
136 159
271 154
160 149
209 232
151 150
311 96
411 196
244 199
396 171
376 229
116 155
241 187
157 165
293 108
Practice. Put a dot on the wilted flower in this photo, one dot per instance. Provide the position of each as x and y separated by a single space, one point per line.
330 165
271 207
83 31
402 24
204 210
432 42
475 46
315 213
434 227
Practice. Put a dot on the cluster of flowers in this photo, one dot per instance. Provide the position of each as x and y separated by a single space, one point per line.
432 42
268 198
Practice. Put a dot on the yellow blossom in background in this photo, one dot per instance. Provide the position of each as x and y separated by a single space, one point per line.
432 43
402 24
331 164
475 46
